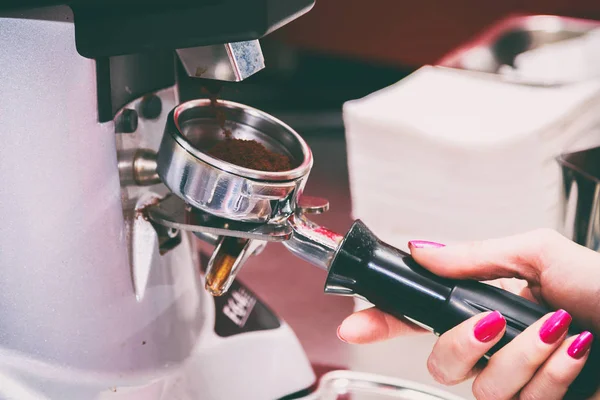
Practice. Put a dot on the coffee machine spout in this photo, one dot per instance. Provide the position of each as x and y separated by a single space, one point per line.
232 62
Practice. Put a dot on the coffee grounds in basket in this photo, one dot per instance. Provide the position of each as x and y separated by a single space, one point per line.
250 154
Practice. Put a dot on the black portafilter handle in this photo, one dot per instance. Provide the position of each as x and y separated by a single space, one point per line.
393 282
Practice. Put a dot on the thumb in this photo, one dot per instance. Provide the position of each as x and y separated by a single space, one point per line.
520 256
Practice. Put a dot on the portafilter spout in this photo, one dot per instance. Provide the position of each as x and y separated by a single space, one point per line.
220 198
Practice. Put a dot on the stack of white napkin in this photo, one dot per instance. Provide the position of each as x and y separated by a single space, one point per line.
448 156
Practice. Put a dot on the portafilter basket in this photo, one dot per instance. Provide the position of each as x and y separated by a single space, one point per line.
240 210
223 189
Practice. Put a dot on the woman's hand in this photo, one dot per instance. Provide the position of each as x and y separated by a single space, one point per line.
541 362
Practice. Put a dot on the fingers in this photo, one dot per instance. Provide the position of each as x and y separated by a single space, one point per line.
513 366
372 325
543 258
457 352
552 380
514 256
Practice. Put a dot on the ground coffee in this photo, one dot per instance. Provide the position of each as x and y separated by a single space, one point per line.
245 153
250 154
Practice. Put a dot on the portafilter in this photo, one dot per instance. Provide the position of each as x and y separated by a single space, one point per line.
240 210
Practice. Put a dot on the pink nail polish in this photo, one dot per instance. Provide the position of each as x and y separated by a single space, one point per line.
339 335
424 244
581 345
555 327
489 327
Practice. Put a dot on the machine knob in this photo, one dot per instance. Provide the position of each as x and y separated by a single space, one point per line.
126 121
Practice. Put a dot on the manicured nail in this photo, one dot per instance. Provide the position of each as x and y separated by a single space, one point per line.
555 327
424 244
581 345
489 327
339 335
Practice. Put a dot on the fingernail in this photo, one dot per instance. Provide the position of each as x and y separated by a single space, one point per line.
489 327
581 345
555 327
424 244
339 335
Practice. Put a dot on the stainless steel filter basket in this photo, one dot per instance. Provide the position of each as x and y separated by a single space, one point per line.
244 208
223 189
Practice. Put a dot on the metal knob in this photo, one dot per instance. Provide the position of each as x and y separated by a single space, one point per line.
138 168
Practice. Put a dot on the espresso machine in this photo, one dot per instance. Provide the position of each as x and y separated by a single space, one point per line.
97 301
107 183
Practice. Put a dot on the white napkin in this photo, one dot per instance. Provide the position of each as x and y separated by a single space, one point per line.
444 155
